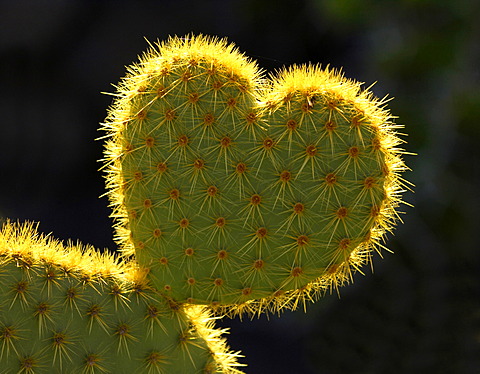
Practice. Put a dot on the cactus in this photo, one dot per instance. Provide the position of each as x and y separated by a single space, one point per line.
243 193
231 192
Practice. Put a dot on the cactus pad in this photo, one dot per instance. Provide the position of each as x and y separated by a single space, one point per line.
67 309
242 192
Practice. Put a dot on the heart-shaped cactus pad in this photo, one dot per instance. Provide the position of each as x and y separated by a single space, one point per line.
242 191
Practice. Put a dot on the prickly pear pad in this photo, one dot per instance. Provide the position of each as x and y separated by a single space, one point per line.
244 192
71 309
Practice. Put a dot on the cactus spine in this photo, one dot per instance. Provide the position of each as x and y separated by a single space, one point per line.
229 190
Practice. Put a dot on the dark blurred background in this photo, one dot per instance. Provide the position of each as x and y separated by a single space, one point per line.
419 312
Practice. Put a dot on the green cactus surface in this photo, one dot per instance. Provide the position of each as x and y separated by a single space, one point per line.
232 193
242 192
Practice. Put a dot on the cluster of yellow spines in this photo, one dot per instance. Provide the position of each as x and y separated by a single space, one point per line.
231 192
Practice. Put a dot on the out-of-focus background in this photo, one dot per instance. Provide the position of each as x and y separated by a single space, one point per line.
419 312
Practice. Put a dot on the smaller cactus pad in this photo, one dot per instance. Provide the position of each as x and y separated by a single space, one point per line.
243 192
67 309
